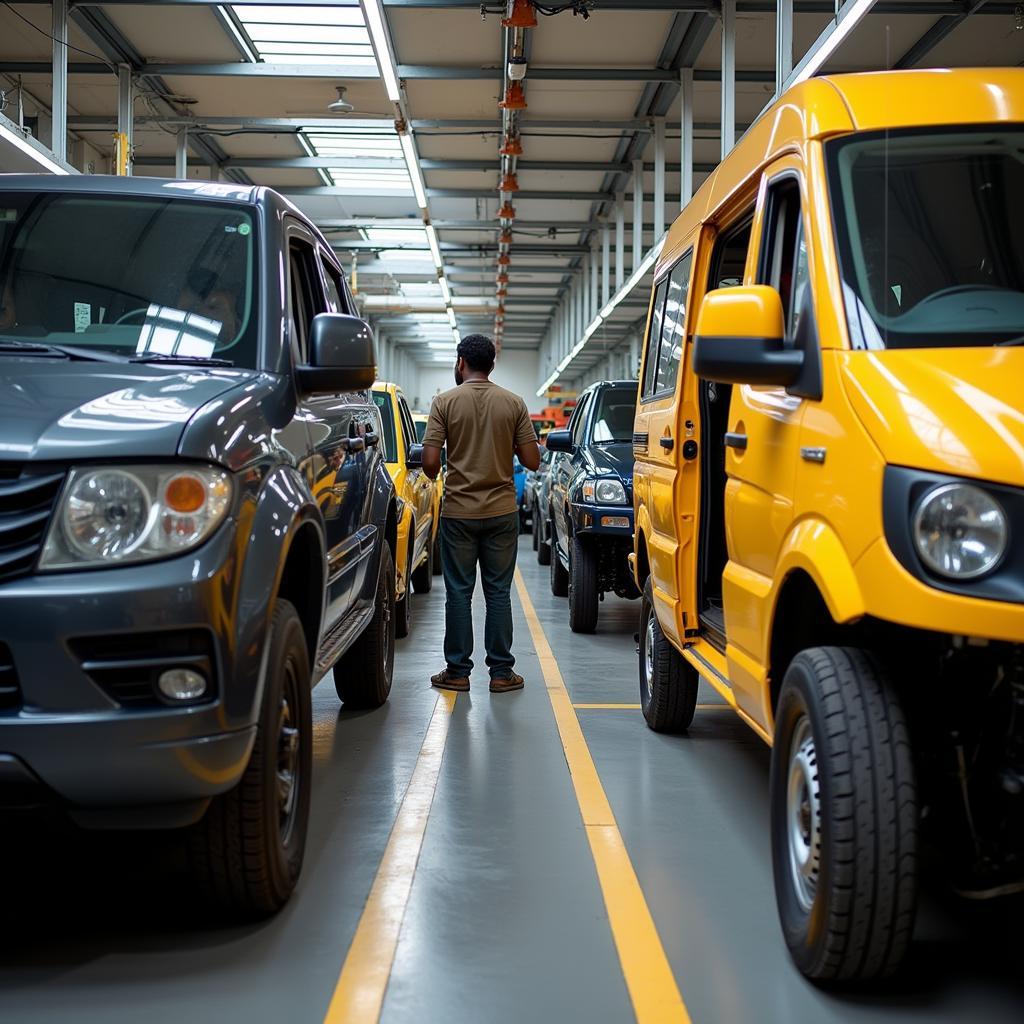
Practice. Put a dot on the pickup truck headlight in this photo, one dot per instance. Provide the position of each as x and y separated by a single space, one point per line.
110 515
604 491
960 531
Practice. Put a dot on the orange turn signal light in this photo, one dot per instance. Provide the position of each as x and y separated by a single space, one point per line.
185 493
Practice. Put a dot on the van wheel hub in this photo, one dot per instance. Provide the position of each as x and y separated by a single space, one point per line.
803 815
649 650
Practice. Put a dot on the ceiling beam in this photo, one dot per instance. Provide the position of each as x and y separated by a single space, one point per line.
934 36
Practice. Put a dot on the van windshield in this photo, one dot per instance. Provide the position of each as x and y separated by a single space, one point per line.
133 276
930 233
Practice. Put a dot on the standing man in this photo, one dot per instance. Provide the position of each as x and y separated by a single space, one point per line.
483 426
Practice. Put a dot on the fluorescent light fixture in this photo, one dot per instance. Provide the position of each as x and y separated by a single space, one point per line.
446 292
447 346
455 336
849 17
451 318
415 174
551 380
435 248
16 140
382 47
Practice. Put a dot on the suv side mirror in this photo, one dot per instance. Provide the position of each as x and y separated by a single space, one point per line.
341 356
740 338
414 457
559 441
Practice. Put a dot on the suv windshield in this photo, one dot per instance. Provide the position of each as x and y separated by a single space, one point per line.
613 417
134 276
928 226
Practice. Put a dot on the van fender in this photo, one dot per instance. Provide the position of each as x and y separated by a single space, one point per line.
282 505
813 546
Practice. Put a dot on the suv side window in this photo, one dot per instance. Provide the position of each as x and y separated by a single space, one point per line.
783 261
305 296
654 338
579 420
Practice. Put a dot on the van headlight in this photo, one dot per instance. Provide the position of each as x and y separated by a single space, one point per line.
960 531
604 491
111 515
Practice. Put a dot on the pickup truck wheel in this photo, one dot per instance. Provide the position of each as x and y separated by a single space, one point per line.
668 683
559 577
246 853
843 817
362 676
423 577
403 607
543 545
583 595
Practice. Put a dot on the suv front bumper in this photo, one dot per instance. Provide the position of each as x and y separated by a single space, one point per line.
87 741
603 520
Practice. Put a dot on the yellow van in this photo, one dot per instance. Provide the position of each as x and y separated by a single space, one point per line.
418 503
829 491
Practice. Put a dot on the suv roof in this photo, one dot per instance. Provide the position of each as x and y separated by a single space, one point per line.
108 184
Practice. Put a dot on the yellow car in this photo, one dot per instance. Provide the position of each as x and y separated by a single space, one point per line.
418 502
829 491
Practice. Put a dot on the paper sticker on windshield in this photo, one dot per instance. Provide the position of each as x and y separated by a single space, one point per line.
8 216
83 316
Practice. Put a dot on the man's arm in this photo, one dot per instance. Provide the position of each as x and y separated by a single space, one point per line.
431 461
526 439
529 454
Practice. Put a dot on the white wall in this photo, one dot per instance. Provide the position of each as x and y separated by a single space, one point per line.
516 371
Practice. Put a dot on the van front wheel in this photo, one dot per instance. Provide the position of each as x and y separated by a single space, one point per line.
668 684
843 817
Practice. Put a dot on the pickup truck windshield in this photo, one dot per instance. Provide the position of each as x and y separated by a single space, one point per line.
930 233
613 417
134 276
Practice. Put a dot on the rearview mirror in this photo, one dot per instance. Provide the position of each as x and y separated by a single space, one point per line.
740 338
341 356
414 457
559 441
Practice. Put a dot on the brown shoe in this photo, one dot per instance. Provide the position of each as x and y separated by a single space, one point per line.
446 681
504 684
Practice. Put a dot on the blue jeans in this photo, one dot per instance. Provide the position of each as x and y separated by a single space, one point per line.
494 543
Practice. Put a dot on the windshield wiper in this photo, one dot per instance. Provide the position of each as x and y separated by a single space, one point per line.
186 360
1012 341
11 346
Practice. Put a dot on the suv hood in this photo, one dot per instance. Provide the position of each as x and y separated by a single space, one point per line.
957 411
69 410
611 458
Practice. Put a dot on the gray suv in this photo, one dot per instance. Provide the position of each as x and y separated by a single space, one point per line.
195 517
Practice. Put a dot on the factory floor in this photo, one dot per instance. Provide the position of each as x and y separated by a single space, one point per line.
534 856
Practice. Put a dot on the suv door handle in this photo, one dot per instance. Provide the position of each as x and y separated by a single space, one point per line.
667 443
737 441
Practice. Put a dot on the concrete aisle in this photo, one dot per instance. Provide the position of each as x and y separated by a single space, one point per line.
505 918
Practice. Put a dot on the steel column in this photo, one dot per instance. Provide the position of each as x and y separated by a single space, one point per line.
59 104
606 239
181 154
686 137
659 178
783 43
594 275
620 240
126 112
638 213
728 76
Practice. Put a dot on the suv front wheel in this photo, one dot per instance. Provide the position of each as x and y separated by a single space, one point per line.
247 851
843 817
583 592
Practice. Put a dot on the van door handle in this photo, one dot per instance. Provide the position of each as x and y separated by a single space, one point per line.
667 443
737 441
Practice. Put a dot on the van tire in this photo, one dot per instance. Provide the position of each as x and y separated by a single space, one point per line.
841 741
403 607
423 575
543 541
363 674
559 576
237 852
583 593
668 683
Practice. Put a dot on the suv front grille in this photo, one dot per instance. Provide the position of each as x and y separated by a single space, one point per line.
10 691
27 496
126 666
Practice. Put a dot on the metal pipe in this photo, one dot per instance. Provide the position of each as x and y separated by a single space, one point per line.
181 154
59 105
659 178
728 76
125 118
638 212
783 44
620 240
605 264
686 137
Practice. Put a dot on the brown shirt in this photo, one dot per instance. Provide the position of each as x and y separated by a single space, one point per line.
481 424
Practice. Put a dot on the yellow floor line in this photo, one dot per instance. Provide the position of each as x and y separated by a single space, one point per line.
636 707
652 986
359 994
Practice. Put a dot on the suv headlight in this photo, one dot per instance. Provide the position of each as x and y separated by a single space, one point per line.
111 515
604 491
959 531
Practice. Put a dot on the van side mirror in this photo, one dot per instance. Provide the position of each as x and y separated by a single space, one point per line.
414 457
559 441
740 338
341 356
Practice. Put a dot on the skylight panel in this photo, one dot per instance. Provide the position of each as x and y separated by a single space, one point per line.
403 236
394 182
308 35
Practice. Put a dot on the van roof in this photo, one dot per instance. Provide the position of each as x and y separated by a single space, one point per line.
837 104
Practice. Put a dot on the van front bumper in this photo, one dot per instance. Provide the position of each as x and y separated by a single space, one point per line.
85 647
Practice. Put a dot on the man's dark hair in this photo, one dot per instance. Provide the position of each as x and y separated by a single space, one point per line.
478 351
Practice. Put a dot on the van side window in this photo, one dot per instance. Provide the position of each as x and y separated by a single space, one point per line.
654 339
730 256
783 262
673 333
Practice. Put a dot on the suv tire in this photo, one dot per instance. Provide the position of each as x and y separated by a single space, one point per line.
583 592
535 532
246 852
843 817
559 577
403 608
362 676
668 683
423 576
